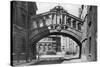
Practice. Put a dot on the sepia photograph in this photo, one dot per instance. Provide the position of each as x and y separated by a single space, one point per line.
45 33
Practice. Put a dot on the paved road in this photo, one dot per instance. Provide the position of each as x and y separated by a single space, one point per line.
82 59
61 61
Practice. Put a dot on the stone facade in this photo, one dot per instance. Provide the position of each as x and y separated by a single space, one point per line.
89 28
21 12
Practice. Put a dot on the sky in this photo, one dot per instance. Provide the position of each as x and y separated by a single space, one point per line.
70 8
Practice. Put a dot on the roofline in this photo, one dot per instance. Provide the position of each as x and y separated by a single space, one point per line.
66 13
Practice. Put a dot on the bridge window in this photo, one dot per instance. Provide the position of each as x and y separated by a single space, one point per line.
74 23
63 17
52 16
41 24
66 20
58 19
79 26
48 22
69 21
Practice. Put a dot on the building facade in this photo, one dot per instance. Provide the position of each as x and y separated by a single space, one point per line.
21 12
89 28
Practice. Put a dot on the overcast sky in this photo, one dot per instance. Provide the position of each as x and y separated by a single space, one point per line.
71 8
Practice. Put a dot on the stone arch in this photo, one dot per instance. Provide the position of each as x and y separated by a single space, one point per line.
43 35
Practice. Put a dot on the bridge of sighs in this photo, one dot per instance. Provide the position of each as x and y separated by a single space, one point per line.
58 22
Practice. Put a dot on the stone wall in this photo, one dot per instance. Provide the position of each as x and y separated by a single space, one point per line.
21 12
89 29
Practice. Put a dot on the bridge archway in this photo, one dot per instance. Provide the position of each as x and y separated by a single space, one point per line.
58 19
33 44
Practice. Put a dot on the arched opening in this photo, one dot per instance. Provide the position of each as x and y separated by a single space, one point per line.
59 45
